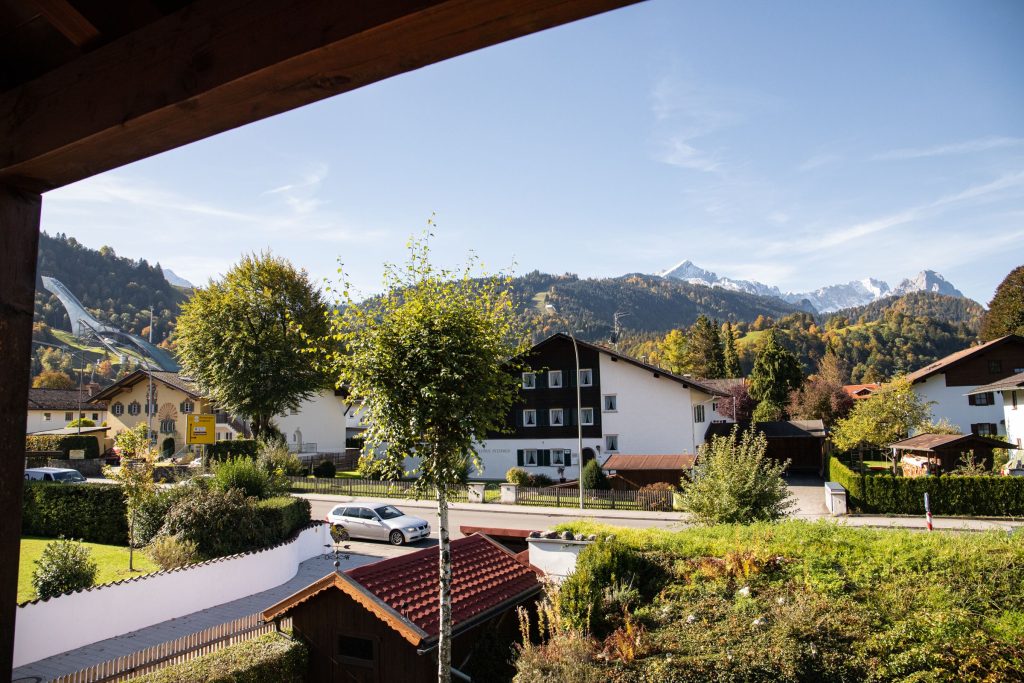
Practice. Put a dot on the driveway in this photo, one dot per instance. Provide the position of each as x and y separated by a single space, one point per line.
809 492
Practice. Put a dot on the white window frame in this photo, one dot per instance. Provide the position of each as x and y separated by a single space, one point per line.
526 457
137 406
611 443
188 406
561 417
589 376
534 412
698 414
529 380
584 421
615 403
558 456
552 374
117 409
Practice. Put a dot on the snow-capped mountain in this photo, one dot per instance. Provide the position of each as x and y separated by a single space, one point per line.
825 299
176 279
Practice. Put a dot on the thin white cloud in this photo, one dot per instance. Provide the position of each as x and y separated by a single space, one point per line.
819 160
680 153
967 147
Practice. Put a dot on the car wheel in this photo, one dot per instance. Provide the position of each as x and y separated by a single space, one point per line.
396 538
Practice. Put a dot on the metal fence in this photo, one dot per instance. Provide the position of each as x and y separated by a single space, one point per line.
174 651
368 488
594 499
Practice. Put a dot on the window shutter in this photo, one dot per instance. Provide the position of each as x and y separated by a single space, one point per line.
991 398
519 457
970 400
544 457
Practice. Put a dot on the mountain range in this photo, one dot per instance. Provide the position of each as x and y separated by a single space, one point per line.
824 299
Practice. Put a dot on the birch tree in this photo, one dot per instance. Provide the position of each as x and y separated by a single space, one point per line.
432 361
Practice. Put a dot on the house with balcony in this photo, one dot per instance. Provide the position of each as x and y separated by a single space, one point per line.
626 407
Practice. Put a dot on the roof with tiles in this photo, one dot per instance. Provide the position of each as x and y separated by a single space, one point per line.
619 461
952 359
61 399
402 591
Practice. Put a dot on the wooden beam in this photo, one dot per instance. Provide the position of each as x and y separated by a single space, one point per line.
19 240
69 21
219 64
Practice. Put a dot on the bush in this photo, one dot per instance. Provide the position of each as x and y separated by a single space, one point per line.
81 422
271 657
370 467
171 552
63 567
235 448
150 515
218 522
948 494
65 444
656 496
283 516
245 475
275 457
594 477
90 512
733 482
540 480
325 469
517 476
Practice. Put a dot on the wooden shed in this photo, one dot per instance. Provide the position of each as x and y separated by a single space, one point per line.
945 451
379 623
802 442
640 470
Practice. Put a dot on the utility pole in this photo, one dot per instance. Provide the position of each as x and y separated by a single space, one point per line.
149 391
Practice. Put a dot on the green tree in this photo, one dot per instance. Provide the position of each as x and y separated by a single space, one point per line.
1006 310
733 482
430 360
52 379
704 356
822 397
776 373
883 418
730 359
672 352
594 477
241 339
135 475
134 441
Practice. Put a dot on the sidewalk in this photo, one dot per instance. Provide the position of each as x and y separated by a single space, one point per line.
104 650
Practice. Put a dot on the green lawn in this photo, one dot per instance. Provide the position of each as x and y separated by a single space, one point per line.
112 561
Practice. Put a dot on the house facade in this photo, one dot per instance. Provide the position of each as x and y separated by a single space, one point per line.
50 409
1011 391
626 407
321 423
949 384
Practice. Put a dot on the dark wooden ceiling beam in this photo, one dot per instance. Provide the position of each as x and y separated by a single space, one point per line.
68 20
216 65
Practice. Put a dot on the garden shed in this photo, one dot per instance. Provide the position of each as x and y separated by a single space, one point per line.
638 471
802 442
945 451
380 622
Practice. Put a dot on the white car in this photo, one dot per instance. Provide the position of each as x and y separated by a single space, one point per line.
54 474
379 522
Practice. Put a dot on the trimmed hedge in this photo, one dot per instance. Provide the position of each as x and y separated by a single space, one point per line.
88 512
270 657
949 494
283 516
223 450
65 444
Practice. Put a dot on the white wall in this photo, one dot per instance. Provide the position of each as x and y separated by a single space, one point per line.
36 423
951 403
498 455
1014 420
555 557
322 420
47 628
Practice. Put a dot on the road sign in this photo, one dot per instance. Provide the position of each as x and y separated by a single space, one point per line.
202 429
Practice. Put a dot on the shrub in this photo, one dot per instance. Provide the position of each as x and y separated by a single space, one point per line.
218 522
275 457
540 480
369 467
171 552
150 515
594 477
271 657
134 440
64 444
90 512
656 496
222 450
325 469
63 567
734 483
517 476
283 516
81 422
245 475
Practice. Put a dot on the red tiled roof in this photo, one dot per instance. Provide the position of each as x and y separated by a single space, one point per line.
621 461
484 575
861 390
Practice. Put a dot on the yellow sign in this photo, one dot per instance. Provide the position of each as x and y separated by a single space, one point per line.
202 429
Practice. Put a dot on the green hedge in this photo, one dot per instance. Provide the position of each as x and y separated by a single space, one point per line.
949 494
222 450
283 516
271 657
71 442
87 512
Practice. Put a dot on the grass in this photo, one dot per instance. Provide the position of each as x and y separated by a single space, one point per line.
111 559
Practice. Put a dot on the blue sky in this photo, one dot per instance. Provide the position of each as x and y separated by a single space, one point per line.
798 143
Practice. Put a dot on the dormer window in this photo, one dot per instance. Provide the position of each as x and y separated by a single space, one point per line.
555 379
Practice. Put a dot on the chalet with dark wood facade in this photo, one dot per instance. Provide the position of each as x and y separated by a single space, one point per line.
380 622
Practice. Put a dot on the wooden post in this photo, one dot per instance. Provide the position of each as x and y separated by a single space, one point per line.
19 242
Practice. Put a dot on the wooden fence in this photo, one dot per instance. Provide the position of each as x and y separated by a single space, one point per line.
594 499
367 488
173 652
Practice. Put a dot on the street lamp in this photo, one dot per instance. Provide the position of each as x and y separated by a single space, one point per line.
579 417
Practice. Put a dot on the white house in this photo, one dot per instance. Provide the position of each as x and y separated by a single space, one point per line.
50 409
949 384
321 423
627 407
1011 391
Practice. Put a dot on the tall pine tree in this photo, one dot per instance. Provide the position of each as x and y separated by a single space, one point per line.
704 356
731 359
776 373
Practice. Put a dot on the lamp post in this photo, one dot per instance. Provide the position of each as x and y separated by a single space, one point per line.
579 416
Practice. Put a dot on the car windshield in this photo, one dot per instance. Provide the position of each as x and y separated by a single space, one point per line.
68 476
389 512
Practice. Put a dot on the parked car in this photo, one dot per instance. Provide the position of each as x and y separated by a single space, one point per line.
379 522
54 474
